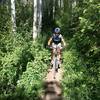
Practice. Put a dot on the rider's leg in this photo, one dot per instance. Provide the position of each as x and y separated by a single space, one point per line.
51 56
52 53
59 54
59 51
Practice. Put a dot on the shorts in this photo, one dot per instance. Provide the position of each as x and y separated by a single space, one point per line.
57 45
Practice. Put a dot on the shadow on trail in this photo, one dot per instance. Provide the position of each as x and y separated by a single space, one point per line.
52 91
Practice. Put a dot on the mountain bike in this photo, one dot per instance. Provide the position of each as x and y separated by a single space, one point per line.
55 62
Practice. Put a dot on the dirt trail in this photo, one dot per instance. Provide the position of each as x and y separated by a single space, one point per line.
52 87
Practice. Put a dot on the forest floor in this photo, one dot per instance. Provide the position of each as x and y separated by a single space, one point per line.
52 87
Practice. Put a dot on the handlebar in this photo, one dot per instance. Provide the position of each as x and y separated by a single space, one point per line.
50 47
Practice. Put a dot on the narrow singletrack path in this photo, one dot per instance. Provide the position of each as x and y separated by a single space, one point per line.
52 87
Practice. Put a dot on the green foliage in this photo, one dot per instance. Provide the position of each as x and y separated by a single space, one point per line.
82 80
24 17
35 72
4 19
72 77
9 67
78 83
24 62
5 28
87 36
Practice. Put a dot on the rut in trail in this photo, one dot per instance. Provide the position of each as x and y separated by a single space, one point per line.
52 87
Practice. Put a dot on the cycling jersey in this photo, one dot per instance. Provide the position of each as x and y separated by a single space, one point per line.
57 38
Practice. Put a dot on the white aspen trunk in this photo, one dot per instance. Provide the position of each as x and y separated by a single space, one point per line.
35 19
40 17
60 3
74 4
13 15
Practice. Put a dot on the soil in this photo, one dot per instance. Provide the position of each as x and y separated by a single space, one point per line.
52 86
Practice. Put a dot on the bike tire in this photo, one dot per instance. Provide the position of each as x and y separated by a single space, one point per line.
56 65
54 68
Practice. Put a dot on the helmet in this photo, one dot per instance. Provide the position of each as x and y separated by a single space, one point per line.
57 30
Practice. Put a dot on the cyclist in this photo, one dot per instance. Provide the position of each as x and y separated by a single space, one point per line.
56 40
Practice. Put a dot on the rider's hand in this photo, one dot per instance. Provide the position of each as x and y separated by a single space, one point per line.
64 44
48 46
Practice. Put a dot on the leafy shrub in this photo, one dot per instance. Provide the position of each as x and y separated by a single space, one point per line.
74 84
31 80
80 81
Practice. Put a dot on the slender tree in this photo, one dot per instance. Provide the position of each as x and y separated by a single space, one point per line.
13 16
39 16
35 32
60 3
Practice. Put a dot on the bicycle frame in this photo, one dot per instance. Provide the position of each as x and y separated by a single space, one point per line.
55 62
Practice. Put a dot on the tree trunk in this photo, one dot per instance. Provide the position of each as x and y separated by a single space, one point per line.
74 3
35 20
39 16
60 3
13 16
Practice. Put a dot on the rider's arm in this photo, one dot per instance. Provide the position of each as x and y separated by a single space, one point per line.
50 40
63 42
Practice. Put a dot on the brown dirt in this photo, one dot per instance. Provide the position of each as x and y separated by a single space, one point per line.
52 87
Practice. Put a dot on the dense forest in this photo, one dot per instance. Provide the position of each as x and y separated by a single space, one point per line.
25 27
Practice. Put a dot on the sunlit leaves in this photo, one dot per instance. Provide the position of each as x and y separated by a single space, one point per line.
73 81
31 79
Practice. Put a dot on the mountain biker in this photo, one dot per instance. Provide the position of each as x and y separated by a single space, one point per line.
56 40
